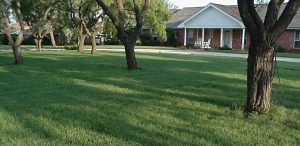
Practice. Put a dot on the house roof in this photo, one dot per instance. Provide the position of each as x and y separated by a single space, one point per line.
186 13
182 15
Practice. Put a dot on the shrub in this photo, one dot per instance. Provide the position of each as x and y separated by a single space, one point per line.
171 38
225 47
28 40
147 39
280 49
2 39
71 47
112 41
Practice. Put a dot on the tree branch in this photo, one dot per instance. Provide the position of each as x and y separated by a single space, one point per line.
246 17
272 13
139 14
286 18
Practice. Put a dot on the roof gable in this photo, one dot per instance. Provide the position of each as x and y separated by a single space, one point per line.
211 17
231 11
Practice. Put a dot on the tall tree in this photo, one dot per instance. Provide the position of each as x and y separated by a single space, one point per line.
263 36
6 8
86 17
119 13
129 16
36 14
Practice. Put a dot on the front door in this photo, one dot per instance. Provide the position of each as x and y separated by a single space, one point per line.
227 38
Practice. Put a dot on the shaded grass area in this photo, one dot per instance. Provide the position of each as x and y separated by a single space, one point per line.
66 98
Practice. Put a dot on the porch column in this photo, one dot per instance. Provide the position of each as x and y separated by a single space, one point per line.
202 41
243 40
221 37
184 38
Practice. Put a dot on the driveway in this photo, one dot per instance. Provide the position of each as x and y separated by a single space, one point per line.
199 52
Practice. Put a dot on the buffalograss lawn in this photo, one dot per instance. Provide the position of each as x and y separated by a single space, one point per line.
67 98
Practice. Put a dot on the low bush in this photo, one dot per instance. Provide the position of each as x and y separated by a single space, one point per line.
71 47
280 49
225 47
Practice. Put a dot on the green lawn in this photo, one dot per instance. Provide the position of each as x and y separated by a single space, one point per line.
67 98
28 47
290 55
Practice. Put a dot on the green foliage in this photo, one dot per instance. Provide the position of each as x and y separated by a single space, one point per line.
225 47
146 39
171 38
71 47
2 39
109 28
66 98
156 17
280 49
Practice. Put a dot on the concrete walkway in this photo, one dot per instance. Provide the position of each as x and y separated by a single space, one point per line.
199 52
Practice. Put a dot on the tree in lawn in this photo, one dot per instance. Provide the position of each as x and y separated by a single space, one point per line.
129 16
5 27
118 15
91 22
263 36
85 17
37 15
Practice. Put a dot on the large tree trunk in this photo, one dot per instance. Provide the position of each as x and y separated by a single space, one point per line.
17 54
52 39
259 77
93 38
38 44
130 55
81 42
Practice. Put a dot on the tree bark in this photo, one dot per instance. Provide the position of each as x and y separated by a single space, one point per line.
262 47
17 54
53 42
130 55
81 42
259 77
38 44
93 38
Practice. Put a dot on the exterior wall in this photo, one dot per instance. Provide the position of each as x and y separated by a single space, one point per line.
180 36
286 40
215 41
236 39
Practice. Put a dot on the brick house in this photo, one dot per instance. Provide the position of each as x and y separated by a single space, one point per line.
222 24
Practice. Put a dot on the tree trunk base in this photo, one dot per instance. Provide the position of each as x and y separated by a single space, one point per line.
130 56
259 80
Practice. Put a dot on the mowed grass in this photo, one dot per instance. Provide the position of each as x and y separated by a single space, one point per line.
67 98
32 47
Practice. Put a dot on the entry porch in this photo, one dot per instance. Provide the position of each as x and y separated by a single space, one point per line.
234 38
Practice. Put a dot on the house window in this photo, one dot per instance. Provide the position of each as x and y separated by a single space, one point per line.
297 39
241 38
210 34
190 34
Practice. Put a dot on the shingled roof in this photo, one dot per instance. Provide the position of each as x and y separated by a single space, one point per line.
182 15
185 13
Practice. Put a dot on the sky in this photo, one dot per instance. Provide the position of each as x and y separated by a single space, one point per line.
198 3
